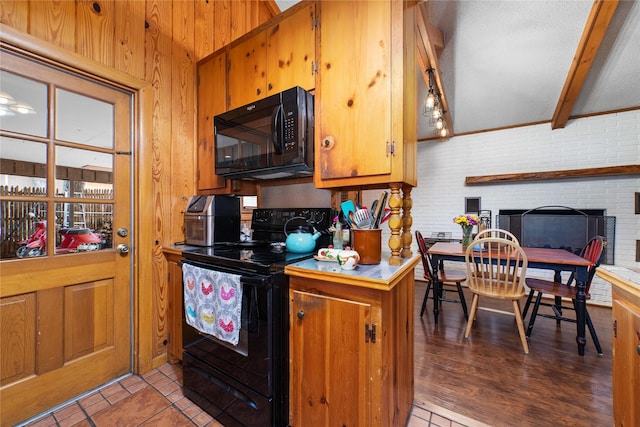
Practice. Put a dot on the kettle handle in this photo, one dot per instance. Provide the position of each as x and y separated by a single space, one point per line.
290 219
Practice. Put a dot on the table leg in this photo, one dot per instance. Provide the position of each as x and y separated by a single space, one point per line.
435 263
581 306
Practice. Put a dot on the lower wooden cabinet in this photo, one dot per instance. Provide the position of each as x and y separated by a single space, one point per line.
351 353
626 358
174 307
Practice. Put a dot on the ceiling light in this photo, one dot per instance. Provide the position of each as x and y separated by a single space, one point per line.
431 99
6 99
5 111
23 108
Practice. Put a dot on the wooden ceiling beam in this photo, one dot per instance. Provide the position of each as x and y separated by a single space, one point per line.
429 39
601 13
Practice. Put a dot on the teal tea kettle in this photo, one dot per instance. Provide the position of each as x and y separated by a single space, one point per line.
299 240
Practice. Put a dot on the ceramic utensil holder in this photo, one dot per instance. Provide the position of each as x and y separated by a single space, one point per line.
368 243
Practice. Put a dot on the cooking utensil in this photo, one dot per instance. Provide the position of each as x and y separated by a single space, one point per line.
374 206
363 218
382 202
352 219
348 206
387 214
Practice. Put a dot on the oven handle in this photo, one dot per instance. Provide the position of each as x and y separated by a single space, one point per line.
227 387
255 280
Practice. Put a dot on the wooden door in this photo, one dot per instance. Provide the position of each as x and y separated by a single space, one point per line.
353 92
291 52
247 71
330 383
65 311
626 362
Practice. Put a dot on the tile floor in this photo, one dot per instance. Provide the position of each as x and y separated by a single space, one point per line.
156 399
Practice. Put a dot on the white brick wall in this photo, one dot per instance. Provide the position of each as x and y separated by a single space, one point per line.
607 140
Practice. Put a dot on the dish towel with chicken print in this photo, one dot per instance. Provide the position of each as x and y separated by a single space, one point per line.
213 302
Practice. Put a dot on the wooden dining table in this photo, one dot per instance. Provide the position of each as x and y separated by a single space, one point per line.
557 260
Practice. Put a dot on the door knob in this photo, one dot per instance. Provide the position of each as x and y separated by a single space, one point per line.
122 232
122 249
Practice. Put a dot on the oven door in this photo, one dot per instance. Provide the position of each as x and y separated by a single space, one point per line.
259 354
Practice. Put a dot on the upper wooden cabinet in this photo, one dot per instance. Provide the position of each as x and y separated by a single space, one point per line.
365 121
276 58
291 51
211 95
212 92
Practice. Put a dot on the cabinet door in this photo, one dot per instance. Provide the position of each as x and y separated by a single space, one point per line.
211 101
247 70
353 93
174 308
291 52
330 381
626 365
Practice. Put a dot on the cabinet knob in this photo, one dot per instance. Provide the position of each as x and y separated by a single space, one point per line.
301 315
270 86
258 91
328 142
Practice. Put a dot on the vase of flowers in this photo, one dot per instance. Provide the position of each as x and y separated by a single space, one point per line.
466 222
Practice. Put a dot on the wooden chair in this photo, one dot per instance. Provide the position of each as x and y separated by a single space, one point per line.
497 272
496 232
591 252
449 281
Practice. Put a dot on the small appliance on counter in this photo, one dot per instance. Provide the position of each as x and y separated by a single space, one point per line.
210 219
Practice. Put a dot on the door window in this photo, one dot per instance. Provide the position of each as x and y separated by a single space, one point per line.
68 154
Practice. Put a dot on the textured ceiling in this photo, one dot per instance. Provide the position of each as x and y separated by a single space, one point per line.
505 63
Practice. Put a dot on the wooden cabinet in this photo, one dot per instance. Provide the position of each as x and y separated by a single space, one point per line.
625 287
212 90
291 51
247 70
266 61
351 348
626 358
174 306
211 84
366 94
329 336
276 58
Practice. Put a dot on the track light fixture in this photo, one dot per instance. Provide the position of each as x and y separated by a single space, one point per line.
433 108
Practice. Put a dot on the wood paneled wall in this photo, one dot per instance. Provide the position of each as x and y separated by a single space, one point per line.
160 42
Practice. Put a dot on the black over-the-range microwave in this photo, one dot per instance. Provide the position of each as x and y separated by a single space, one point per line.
267 139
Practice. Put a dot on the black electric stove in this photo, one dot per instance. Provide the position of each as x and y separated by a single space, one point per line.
247 384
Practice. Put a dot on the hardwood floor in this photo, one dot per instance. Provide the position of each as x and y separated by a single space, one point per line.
488 378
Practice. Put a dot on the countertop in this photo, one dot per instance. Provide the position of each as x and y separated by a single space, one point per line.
378 276
176 249
627 278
